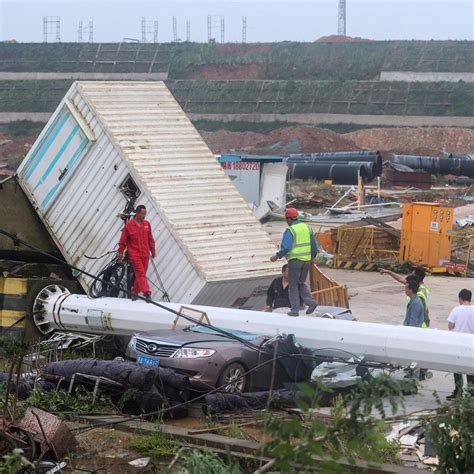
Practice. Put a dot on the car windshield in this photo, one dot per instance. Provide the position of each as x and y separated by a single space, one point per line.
247 336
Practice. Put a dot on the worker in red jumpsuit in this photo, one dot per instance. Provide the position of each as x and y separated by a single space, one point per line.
139 241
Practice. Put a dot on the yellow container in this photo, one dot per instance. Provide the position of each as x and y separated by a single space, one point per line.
426 234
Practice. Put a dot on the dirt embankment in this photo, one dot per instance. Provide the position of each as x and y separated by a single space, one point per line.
12 146
300 139
12 151
415 141
282 140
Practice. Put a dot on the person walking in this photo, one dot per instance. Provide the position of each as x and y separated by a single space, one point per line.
138 240
423 291
461 319
298 245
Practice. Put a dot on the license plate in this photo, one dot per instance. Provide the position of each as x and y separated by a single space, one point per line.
147 361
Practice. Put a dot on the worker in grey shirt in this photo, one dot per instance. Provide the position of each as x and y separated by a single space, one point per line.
415 309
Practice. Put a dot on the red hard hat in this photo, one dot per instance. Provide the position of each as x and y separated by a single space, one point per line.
291 212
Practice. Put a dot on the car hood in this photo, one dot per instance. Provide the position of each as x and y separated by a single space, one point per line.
181 337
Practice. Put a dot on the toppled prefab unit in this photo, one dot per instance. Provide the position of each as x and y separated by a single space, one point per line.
108 143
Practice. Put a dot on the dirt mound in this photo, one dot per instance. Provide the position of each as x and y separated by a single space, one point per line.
415 141
342 39
282 140
12 146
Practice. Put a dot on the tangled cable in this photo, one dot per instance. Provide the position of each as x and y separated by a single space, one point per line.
113 280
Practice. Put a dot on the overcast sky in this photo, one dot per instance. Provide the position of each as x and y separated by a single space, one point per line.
267 20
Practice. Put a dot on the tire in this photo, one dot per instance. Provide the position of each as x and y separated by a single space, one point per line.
235 375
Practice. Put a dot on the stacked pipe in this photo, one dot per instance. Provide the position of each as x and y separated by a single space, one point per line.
340 167
457 165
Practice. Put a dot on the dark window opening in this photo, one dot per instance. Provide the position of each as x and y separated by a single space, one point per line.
131 192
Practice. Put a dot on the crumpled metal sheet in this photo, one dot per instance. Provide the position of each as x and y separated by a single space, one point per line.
467 221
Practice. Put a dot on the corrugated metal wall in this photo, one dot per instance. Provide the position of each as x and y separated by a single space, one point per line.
204 230
83 218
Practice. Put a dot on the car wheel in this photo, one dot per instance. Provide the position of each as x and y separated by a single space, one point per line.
233 378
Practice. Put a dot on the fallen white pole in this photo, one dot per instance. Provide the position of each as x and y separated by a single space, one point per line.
56 308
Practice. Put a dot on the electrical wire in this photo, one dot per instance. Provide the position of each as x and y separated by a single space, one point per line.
114 276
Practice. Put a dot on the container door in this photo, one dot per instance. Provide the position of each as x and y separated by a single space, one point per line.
52 160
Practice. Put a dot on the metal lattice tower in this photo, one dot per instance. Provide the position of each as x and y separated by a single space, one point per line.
82 31
51 27
175 30
214 23
188 31
244 29
341 18
149 31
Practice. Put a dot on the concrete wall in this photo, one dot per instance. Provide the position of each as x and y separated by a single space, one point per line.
7 117
96 76
315 119
409 76
305 119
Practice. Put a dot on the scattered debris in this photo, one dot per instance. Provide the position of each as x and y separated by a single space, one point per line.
49 431
467 221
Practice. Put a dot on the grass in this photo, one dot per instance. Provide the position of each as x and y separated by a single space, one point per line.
281 97
157 445
24 127
267 127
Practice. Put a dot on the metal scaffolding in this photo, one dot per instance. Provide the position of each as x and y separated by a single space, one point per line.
149 30
341 18
244 29
83 31
188 31
175 30
214 24
51 27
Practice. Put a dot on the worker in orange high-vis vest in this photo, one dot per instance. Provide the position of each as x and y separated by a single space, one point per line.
138 239
298 245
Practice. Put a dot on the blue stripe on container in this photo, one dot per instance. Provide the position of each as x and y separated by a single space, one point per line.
58 156
70 166
55 128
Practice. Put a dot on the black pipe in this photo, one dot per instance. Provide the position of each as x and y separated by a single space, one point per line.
339 157
437 165
344 174
323 170
467 168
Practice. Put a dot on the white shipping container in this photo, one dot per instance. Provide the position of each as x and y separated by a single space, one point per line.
210 248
